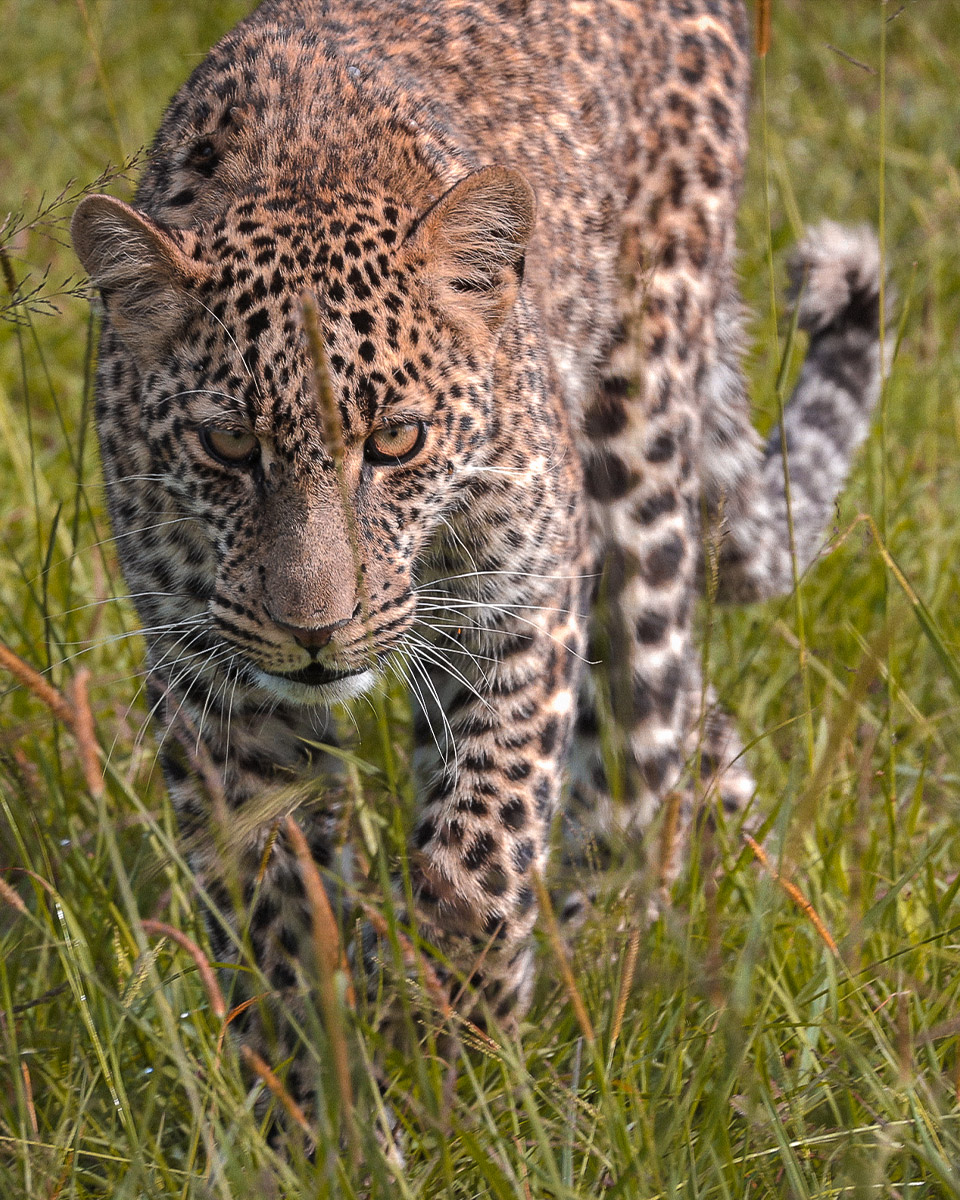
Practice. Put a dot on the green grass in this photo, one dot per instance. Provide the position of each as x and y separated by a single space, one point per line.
751 1059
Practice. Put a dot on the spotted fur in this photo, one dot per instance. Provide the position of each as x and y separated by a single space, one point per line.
516 220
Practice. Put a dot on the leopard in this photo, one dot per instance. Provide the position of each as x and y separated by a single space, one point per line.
421 355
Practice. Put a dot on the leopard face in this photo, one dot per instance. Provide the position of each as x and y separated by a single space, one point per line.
309 522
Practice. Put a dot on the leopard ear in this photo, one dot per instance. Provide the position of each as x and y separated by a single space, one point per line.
143 275
473 240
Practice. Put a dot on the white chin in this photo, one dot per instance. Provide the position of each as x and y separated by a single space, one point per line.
311 695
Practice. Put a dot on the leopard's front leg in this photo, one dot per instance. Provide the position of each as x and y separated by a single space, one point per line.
235 774
497 692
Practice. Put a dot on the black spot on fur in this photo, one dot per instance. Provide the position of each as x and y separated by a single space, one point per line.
494 881
518 770
514 813
647 511
608 477
472 804
362 321
523 853
620 566
650 627
257 322
669 688
660 565
662 448
606 416
657 769
691 61
478 853
548 736
494 926
424 833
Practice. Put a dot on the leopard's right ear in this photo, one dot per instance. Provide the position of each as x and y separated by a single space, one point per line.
473 241
143 275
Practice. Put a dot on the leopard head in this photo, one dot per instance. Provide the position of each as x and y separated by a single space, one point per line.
309 475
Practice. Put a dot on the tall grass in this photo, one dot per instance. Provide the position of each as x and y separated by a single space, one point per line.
790 1025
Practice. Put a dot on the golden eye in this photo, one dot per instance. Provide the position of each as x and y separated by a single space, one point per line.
232 447
395 444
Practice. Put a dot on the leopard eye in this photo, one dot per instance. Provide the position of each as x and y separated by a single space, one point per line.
232 447
395 444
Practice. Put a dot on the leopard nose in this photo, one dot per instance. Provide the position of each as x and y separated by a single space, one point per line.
312 637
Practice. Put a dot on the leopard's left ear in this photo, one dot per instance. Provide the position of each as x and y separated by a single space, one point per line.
142 273
474 239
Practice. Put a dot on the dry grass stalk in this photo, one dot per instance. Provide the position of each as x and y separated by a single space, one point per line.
332 432
74 711
330 959
322 387
626 983
763 27
236 1011
326 935
414 960
207 974
29 775
34 682
63 1177
669 842
12 897
85 733
279 1092
794 893
475 969
556 942
524 1172
28 1096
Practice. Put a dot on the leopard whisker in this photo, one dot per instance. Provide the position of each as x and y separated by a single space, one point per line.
439 600
233 697
416 668
100 485
502 573
432 655
236 347
141 732
99 603
171 685
201 391
505 611
98 545
475 573
457 647
438 653
113 639
171 688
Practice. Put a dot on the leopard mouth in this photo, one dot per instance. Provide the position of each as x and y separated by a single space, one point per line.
317 675
314 685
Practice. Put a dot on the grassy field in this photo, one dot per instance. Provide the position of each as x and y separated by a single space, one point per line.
787 1028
